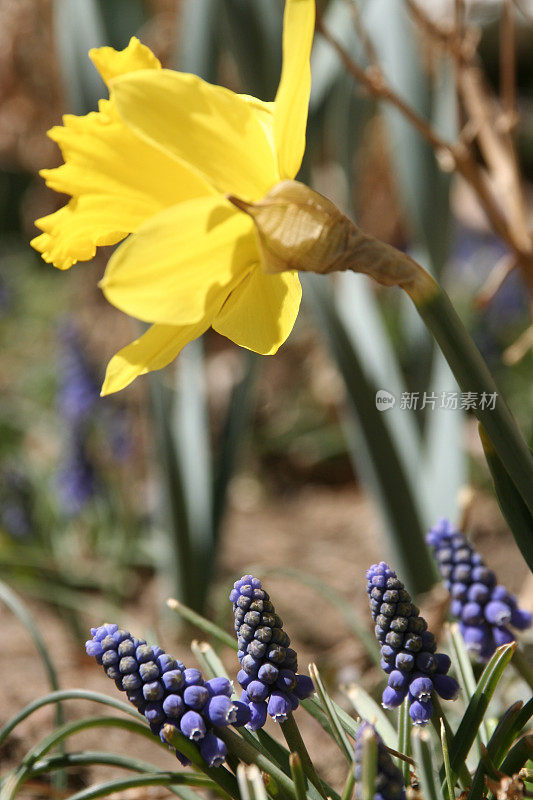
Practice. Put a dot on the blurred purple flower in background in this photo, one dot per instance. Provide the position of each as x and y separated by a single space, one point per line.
16 503
76 478
78 387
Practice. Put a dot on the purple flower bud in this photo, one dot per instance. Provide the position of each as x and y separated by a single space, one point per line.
445 686
286 680
421 711
478 593
131 682
483 575
258 715
192 726
428 642
460 590
471 614
136 697
392 698
502 635
153 691
195 697
405 662
257 691
420 688
521 619
304 687
267 673
443 663
426 662
279 706
173 705
144 653
173 679
293 700
499 592
497 613
193 677
456 607
93 648
220 710
250 665
149 671
213 750
386 667
388 654
219 686
242 713
168 664
476 637
398 680
154 713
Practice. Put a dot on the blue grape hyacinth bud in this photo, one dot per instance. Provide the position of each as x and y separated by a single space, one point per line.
484 608
408 649
389 780
166 693
269 666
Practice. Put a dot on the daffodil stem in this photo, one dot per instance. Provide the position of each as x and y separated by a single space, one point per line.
296 744
472 374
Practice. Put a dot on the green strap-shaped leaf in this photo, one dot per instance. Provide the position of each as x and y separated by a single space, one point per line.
379 457
468 728
513 507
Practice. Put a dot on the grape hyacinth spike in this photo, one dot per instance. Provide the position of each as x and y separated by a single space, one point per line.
269 667
166 693
408 649
484 608
389 780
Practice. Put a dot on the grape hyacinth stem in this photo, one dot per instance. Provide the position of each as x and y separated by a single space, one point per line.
296 744
404 738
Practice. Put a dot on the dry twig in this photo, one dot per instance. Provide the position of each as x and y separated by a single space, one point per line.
497 184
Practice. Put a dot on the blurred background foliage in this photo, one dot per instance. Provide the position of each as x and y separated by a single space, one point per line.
96 494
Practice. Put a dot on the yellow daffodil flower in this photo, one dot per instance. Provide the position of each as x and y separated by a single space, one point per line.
156 162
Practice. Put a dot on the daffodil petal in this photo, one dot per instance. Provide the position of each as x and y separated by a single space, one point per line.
75 231
210 128
292 98
261 311
110 62
182 263
116 179
153 350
